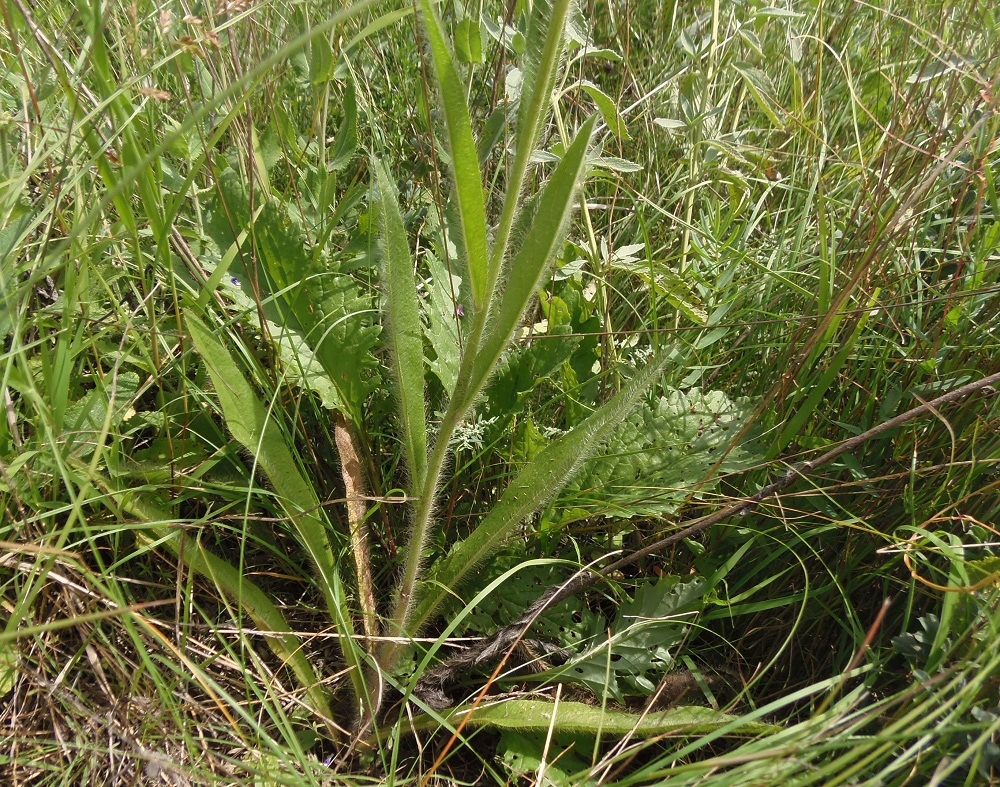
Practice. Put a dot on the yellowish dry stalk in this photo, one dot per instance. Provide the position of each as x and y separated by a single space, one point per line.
354 493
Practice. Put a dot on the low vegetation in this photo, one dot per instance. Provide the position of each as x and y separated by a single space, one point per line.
540 392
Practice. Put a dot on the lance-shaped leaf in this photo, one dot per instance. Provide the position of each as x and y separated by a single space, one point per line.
404 327
577 718
544 46
252 427
464 158
545 236
537 482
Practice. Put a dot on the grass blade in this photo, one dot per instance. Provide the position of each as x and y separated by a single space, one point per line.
404 327
464 157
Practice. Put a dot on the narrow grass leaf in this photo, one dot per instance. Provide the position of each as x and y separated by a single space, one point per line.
404 327
537 482
255 603
819 389
248 596
464 157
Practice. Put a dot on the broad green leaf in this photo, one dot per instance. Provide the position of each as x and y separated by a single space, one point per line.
657 455
533 259
491 133
464 158
609 111
346 142
525 755
615 164
442 313
535 484
301 367
308 293
320 60
254 428
84 419
644 637
579 718
404 327
469 41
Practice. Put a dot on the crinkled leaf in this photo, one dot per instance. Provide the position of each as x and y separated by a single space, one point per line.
312 296
84 418
658 454
643 641
568 623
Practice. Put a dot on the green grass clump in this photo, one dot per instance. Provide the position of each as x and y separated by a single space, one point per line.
333 340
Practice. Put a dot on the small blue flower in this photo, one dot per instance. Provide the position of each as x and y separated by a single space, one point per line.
235 281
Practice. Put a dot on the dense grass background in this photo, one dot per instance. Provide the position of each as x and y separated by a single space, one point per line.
800 200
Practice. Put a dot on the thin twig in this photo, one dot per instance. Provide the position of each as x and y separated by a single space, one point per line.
432 685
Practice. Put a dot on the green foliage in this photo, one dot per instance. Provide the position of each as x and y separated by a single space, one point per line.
405 330
581 719
642 642
659 456
307 294
798 203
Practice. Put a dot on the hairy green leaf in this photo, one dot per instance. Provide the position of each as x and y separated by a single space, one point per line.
657 455
442 312
548 227
544 47
582 719
404 326
464 159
